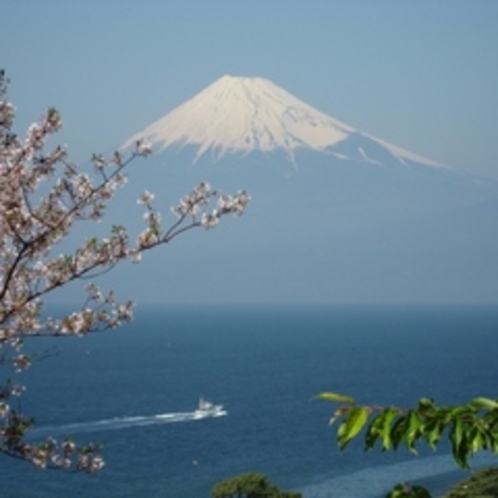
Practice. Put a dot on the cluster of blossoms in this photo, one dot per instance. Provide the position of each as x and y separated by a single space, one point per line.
194 205
192 211
42 196
64 455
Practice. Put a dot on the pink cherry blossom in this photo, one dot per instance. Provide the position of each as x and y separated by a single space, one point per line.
43 197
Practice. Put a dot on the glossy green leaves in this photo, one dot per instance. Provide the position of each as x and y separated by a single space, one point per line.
351 426
470 428
339 398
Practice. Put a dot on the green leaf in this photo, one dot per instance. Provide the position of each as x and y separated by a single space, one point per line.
476 439
481 403
389 415
381 427
456 434
459 446
373 431
433 431
398 430
352 426
412 430
426 404
338 398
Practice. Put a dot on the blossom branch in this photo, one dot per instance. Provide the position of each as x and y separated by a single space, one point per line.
33 222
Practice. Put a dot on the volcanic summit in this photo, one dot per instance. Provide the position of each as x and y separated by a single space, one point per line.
242 115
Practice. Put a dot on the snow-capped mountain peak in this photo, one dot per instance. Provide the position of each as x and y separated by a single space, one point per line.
245 114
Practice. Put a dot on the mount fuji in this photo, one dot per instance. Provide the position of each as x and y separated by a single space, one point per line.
338 215
236 115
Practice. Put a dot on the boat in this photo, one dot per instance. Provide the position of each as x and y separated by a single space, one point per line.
208 409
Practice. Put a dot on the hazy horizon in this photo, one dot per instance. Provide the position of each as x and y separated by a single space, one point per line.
421 76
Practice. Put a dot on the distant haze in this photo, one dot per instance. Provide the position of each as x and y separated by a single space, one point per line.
338 216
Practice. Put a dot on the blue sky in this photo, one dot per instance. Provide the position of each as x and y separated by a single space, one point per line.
420 74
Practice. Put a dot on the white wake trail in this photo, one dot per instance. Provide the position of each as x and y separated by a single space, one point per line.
118 423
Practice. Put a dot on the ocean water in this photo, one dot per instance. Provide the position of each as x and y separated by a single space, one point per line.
135 390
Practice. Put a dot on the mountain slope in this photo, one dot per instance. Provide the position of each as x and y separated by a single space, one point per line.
242 115
337 215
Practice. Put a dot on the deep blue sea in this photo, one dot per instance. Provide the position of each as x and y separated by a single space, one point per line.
135 389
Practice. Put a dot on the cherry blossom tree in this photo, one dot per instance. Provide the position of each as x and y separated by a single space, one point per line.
44 198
